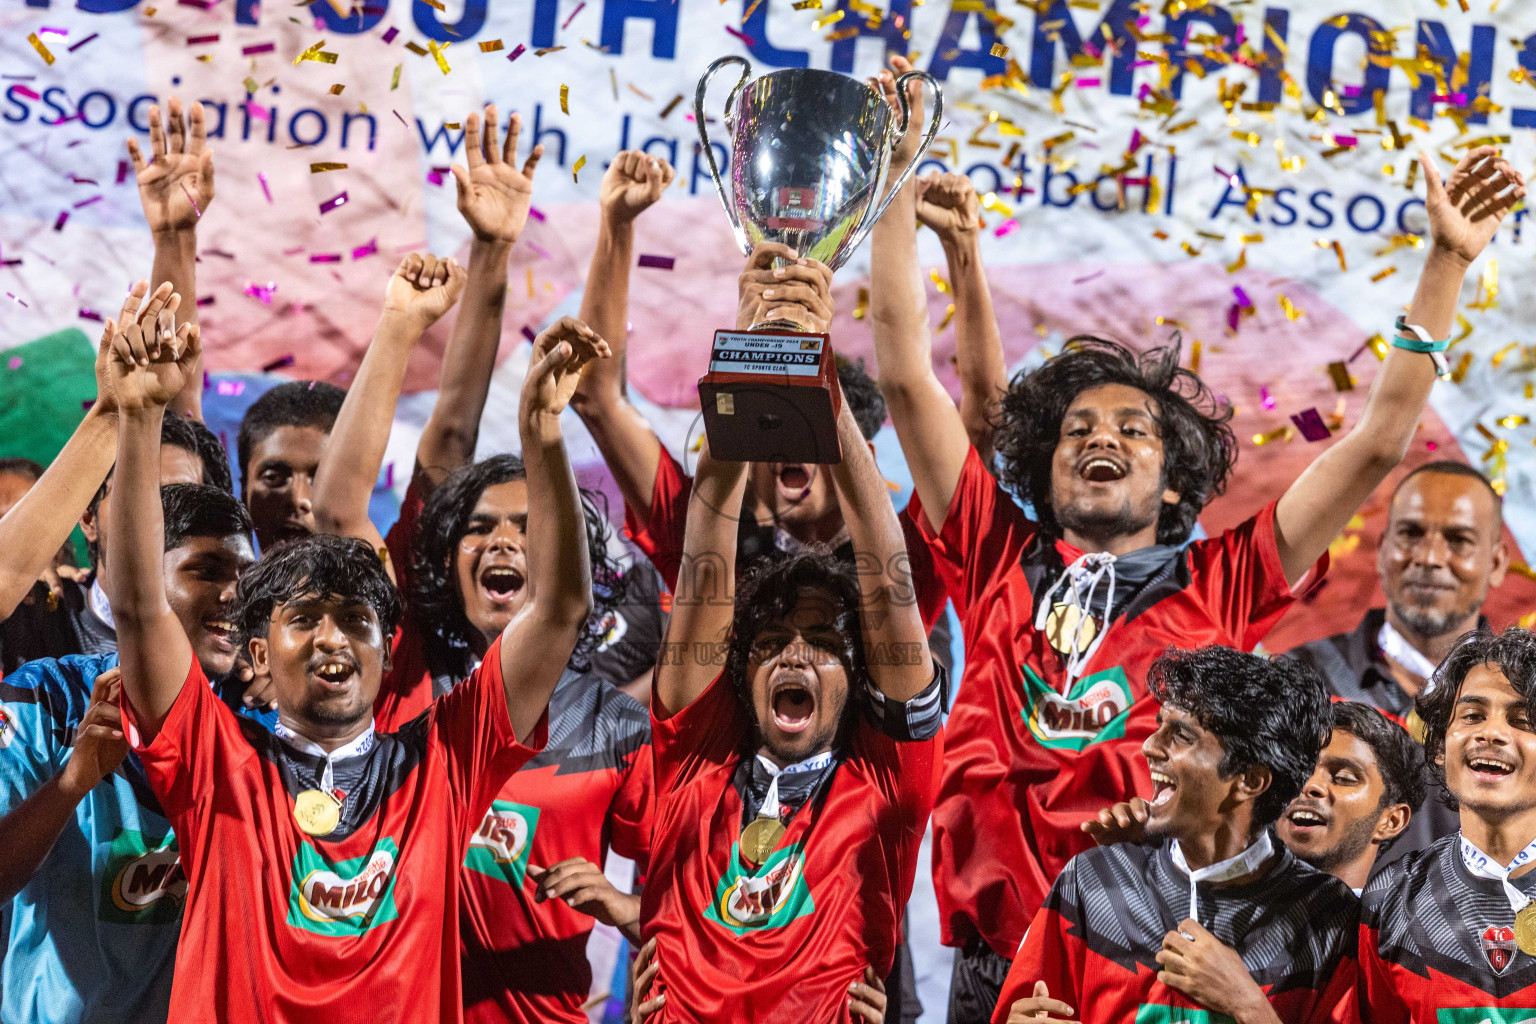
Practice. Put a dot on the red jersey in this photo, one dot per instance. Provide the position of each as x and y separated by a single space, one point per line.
592 785
662 540
1028 758
358 926
785 951
406 690
1437 944
1095 941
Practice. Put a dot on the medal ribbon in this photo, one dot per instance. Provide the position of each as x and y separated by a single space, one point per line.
100 606
770 807
1396 646
357 748
1078 583
1224 870
1480 864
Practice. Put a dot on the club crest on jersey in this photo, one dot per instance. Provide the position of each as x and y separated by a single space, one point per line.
1094 709
345 898
1499 947
142 884
772 897
7 727
499 846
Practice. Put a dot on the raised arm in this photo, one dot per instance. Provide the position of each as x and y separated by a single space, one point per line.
150 364
421 289
947 203
895 643
539 640
494 198
929 427
176 188
630 447
1463 217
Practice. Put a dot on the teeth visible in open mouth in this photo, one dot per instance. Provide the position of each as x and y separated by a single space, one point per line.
1099 469
793 706
501 580
220 626
1162 787
794 477
1305 819
1487 764
334 671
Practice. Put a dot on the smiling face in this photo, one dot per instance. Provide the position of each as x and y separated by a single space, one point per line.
326 656
799 683
200 576
278 481
1490 748
1339 812
1189 796
798 496
490 562
1107 472
1441 552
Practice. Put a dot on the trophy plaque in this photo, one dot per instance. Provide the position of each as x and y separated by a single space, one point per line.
810 154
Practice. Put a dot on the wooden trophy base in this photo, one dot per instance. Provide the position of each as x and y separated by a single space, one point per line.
772 396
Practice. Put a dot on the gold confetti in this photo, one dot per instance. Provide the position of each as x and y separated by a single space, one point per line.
1194 357
1291 312
581 162
1338 250
671 106
1339 372
1239 263
1382 275
322 168
336 89
1462 366
314 53
530 282
939 282
999 50
454 125
394 82
861 309
1378 346
565 96
547 49
150 12
1487 288
250 86
1278 434
490 46
1498 357
1513 420
437 54
415 48
949 314
827 19
42 51
807 5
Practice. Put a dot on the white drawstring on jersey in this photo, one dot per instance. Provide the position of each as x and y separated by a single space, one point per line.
1082 579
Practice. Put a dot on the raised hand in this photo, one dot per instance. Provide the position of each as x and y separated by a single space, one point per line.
906 149
106 392
152 358
1465 212
632 183
176 184
948 204
423 288
800 292
560 353
584 888
1039 1006
100 745
494 196
1121 823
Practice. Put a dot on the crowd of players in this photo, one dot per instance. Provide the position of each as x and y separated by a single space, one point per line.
376 777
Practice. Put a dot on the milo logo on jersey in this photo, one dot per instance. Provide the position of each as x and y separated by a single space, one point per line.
142 884
499 847
1094 709
771 898
346 898
1156 1013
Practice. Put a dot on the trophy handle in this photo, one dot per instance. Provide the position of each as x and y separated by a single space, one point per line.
709 152
873 214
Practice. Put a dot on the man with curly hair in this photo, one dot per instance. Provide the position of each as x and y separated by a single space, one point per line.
1213 901
1064 608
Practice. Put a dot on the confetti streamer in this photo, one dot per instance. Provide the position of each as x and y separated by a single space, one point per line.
262 293
490 46
255 48
42 51
1497 359
1310 423
338 200
565 95
88 202
82 42
517 51
746 39
278 363
261 176
581 162
437 54
1342 381
366 250
657 262
579 7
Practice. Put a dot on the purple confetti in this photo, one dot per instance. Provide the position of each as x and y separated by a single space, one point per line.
657 262
389 36
1241 296
49 30
1090 277
579 8
1234 313
336 201
389 477
86 405
366 250
22 90
543 252
202 40
739 34
207 383
1266 399
325 257
528 332
82 42
88 202
252 50
14 298
517 52
58 225
278 363
261 176
1310 423
230 388
536 213
75 179
123 167
435 175
90 314
206 300
263 293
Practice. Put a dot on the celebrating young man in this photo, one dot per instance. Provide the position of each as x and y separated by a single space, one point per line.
1162 932
1449 934
1117 452
322 859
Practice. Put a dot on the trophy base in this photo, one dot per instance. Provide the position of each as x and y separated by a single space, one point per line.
772 396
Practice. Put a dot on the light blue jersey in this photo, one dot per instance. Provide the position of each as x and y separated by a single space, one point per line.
93 934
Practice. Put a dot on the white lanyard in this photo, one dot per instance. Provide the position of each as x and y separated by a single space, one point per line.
356 748
1233 867
770 807
1481 865
100 606
1078 583
1396 646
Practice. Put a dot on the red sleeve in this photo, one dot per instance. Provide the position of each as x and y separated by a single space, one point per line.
471 730
400 542
197 743
702 736
1339 1002
1240 579
630 812
1379 1000
980 537
932 577
1044 955
406 690
906 773
662 539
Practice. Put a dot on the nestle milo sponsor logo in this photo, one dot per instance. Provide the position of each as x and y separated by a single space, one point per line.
345 898
142 885
500 844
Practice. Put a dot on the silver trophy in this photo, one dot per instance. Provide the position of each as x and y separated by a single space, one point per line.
810 153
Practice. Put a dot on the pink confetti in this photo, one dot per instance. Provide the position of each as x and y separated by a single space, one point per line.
437 175
230 388
739 34
1090 277
1310 423
366 250
1431 446
202 40
16 299
58 225
1266 400
255 48
278 363
1137 141
262 293
15 363
1345 140
193 200
543 252
1457 98
257 111
294 251
536 213
50 30
75 46
1085 83
22 90
325 257
1007 227
517 51
657 262
579 8
90 314
261 176
336 201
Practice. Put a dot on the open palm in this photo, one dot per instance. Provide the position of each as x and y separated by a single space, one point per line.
176 183
1465 212
494 195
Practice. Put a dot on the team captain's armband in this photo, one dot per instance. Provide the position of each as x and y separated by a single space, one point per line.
913 720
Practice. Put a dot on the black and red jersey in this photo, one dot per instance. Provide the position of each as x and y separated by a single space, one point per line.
1095 940
359 926
780 944
1030 757
591 786
1437 944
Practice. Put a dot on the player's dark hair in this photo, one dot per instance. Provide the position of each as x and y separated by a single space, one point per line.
768 593
323 565
1512 652
1264 712
197 510
436 602
19 466
1449 467
1199 448
1399 757
863 396
294 403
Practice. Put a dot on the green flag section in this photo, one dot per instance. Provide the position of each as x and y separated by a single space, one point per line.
1156 1013
42 386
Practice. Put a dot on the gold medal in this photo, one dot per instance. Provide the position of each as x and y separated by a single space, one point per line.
1525 929
317 812
759 839
1061 629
